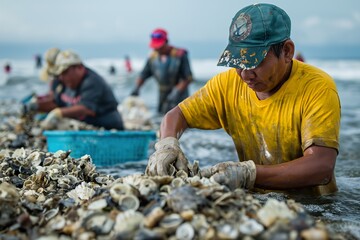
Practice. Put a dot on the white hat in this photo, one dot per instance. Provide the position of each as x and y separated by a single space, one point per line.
47 72
64 60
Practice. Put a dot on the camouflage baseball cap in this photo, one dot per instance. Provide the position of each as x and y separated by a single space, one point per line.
252 31
65 59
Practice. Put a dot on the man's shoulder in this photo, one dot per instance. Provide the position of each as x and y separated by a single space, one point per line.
178 52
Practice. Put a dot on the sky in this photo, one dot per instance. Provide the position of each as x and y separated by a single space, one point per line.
116 27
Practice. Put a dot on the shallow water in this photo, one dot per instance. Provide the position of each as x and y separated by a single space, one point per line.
340 211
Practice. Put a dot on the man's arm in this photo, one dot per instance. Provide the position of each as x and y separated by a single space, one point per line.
173 124
316 167
76 111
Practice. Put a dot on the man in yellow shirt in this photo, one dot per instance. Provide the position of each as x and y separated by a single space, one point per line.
282 114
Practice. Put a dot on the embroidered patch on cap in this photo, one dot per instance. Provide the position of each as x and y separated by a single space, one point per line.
241 28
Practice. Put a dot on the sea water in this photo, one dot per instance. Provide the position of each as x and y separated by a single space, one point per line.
341 210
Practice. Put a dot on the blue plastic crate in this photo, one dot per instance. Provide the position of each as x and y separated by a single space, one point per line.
106 148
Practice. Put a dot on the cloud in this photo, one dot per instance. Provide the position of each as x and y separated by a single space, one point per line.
324 30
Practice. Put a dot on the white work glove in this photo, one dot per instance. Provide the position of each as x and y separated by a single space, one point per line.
167 159
52 119
232 174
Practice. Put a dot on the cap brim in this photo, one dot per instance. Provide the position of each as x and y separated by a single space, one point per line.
60 69
157 43
243 58
44 75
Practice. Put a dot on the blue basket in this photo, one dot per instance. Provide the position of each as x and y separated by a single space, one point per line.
106 148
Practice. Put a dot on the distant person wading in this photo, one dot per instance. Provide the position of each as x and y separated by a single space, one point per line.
171 69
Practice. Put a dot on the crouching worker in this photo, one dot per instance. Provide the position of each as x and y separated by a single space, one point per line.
282 114
85 97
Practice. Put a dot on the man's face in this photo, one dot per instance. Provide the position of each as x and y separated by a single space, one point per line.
267 76
70 77
162 49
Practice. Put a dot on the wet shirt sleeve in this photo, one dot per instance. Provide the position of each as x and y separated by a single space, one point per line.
146 72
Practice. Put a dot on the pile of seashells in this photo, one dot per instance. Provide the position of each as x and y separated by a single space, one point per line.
54 196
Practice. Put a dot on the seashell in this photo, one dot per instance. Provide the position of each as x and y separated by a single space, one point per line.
162 180
226 231
187 215
8 193
119 189
57 223
185 198
297 207
81 192
99 223
185 232
171 222
165 188
156 233
223 199
250 227
103 180
147 187
59 153
48 161
128 221
19 153
35 158
98 204
194 181
177 182
154 217
4 153
133 179
41 198
272 211
314 233
50 214
31 196
129 202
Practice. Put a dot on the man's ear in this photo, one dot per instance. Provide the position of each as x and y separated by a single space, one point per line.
288 50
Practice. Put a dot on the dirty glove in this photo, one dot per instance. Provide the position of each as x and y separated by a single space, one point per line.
232 174
30 106
51 119
135 92
167 159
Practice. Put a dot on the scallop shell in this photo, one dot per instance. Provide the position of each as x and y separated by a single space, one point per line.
98 204
185 232
128 221
81 192
171 222
147 187
119 189
129 202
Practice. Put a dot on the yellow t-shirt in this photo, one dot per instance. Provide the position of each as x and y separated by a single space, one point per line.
305 111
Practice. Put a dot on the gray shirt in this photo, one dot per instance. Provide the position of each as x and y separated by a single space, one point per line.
95 94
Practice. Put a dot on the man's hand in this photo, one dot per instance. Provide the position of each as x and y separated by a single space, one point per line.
51 119
135 92
232 174
174 95
30 105
167 159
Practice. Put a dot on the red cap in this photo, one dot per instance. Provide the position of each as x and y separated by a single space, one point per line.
158 38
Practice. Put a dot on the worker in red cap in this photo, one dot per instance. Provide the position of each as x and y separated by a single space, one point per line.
170 67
